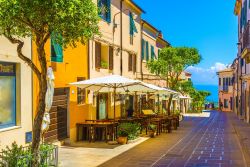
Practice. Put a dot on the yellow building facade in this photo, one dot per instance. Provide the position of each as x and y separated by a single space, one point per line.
69 103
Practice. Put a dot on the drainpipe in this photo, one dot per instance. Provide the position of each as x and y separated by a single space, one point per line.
121 8
141 48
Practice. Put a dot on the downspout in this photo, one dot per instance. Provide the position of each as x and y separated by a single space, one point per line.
121 8
88 60
141 50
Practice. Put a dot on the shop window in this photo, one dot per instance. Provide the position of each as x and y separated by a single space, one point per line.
104 10
7 95
81 92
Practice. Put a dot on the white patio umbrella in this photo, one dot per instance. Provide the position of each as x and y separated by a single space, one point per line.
48 99
112 83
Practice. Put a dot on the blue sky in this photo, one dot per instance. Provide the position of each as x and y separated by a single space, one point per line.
208 25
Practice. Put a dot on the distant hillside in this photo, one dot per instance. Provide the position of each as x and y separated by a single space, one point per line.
211 88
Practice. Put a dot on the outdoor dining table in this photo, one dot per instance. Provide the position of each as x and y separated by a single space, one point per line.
92 126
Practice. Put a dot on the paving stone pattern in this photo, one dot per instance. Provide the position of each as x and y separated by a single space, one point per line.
199 142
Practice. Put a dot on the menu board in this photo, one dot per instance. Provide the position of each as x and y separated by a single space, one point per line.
7 69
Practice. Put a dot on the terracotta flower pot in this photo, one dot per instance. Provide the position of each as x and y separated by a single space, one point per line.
122 140
151 133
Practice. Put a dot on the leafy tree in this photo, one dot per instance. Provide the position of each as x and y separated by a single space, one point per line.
171 62
198 98
74 20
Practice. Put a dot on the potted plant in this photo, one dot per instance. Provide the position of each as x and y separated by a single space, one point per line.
151 130
127 131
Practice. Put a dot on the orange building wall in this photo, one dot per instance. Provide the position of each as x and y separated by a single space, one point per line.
75 64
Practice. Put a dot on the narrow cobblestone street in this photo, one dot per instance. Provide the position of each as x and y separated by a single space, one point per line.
198 142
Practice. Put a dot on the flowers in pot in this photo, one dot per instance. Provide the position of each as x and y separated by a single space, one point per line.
151 130
128 131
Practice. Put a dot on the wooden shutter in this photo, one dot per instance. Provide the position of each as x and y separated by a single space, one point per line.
147 53
134 63
111 54
97 55
142 49
130 60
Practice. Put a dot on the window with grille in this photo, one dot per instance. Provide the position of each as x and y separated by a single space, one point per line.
81 92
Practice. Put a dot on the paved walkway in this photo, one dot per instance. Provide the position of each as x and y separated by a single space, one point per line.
205 142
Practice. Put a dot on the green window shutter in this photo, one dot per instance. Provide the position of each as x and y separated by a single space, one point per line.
142 49
147 54
99 5
132 27
108 11
152 52
56 51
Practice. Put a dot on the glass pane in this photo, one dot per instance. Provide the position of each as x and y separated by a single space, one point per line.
7 101
102 109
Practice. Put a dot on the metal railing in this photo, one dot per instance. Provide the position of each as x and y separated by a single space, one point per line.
246 37
47 158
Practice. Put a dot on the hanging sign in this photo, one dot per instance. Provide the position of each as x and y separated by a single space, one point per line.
7 69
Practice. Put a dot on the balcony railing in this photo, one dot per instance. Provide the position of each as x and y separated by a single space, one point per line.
246 37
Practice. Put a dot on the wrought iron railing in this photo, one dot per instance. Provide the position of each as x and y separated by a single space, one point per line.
246 37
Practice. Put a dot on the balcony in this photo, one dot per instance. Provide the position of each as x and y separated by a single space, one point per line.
245 54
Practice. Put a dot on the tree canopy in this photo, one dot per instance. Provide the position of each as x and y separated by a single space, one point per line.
76 20
172 61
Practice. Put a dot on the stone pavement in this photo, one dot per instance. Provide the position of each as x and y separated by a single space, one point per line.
205 142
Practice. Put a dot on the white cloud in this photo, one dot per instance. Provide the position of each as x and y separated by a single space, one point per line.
206 75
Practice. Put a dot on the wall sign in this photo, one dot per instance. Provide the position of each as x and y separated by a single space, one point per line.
7 69
28 137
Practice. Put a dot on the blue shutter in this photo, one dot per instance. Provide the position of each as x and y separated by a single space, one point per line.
108 5
56 51
152 52
142 49
147 54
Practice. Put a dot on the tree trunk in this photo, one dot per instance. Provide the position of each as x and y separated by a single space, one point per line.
37 126
169 103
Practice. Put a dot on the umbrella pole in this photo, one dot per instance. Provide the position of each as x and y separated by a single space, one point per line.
158 103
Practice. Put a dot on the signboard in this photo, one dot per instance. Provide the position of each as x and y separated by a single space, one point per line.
28 137
7 69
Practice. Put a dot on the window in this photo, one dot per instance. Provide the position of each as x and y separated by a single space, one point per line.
132 28
7 95
97 55
219 81
56 50
111 54
104 10
242 62
152 52
225 103
81 93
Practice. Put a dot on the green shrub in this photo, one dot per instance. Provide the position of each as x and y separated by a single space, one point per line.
19 156
130 130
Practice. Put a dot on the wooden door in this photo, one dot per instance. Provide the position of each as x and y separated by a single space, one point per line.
58 116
